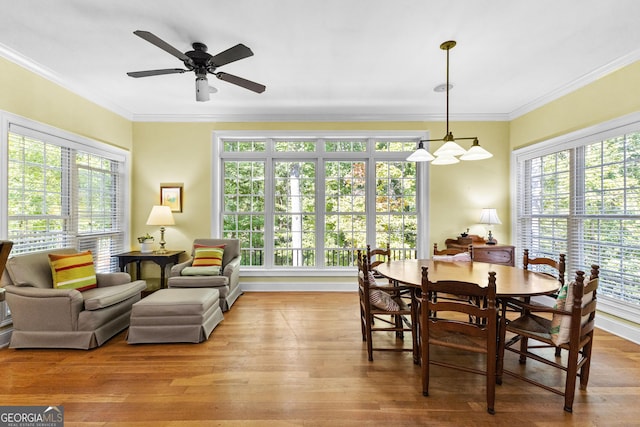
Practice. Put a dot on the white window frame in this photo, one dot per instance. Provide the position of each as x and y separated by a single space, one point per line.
422 187
613 128
71 140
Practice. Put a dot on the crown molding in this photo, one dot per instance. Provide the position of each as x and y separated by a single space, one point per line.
578 83
46 73
87 94
235 118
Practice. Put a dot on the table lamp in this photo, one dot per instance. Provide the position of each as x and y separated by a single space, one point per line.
161 215
489 216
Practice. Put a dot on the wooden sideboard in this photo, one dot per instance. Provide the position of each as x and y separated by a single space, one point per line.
495 254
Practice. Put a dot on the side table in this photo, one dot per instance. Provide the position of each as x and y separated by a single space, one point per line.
162 259
494 254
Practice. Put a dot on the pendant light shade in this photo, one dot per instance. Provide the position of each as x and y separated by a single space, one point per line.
449 152
476 152
421 154
446 159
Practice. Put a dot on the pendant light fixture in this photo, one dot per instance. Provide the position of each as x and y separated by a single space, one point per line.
450 152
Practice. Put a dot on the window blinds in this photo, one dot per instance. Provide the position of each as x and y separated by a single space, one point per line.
64 193
581 197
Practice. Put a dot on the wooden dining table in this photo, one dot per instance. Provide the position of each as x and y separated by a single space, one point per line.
510 281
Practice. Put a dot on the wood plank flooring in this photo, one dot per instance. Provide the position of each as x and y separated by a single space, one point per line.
297 359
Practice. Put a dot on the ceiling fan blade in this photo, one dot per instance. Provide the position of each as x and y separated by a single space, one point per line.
247 84
232 54
156 72
155 40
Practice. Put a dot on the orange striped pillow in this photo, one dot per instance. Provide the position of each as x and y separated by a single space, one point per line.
73 271
206 256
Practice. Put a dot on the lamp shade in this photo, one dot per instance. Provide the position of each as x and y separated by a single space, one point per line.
445 159
420 155
476 152
160 215
489 216
202 89
449 148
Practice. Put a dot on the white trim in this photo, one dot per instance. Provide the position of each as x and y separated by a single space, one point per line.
617 327
46 73
299 287
422 175
92 96
576 84
320 117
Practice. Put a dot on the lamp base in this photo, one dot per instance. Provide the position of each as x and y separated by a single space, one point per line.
162 250
491 240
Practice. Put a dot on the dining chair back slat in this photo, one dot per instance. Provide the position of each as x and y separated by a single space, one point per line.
469 324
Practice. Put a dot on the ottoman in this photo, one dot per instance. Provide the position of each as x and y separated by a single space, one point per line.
175 315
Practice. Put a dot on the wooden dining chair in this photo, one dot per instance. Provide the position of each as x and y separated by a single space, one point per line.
569 325
5 249
548 266
447 323
380 309
378 256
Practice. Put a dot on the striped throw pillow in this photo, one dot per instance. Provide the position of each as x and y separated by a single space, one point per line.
206 256
73 271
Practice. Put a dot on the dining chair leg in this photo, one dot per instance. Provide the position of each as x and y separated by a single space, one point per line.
414 326
491 383
586 367
424 348
524 347
570 382
369 343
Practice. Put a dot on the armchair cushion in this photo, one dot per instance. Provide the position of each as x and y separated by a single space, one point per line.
73 271
204 256
212 270
97 298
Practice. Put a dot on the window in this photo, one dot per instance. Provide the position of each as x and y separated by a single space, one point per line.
63 191
580 195
306 202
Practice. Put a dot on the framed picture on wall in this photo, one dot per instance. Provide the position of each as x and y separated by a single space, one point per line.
171 195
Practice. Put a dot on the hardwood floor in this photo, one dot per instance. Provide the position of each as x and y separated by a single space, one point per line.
297 359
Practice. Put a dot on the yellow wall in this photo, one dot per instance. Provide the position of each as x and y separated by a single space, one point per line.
181 152
29 95
614 95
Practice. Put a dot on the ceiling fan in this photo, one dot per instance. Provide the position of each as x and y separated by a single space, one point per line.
200 62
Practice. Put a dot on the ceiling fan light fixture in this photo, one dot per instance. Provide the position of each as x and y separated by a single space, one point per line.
202 89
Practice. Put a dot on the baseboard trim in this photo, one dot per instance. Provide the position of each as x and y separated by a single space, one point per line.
298 287
622 329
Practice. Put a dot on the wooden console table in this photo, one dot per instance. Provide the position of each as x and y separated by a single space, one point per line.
494 254
162 259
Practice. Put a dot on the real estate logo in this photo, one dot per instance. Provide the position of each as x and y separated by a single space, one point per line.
31 416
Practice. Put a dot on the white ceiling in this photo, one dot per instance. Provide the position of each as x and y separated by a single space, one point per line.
326 59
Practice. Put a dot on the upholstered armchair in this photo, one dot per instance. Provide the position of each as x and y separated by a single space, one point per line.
48 317
223 275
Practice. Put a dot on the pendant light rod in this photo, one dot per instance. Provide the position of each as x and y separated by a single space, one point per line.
448 153
448 45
